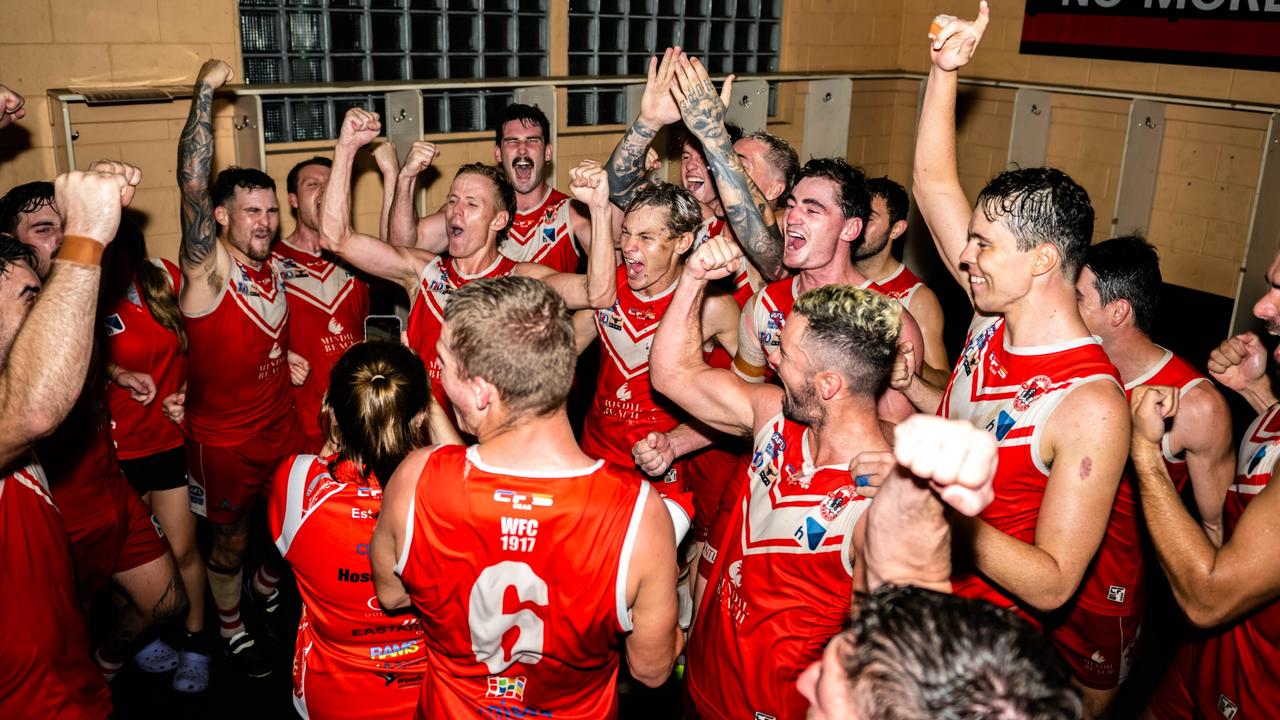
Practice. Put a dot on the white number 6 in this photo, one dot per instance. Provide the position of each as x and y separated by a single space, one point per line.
488 622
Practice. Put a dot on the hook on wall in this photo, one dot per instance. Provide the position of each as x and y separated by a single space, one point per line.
1035 109
242 123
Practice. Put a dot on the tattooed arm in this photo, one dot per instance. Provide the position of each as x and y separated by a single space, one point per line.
749 213
199 254
657 110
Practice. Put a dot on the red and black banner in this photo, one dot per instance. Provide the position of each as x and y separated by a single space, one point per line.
1217 33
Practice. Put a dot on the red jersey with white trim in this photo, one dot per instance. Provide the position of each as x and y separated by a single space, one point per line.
80 463
1176 372
328 303
626 408
48 672
136 342
322 514
901 285
440 279
768 310
238 375
783 581
1236 673
544 235
521 582
1012 392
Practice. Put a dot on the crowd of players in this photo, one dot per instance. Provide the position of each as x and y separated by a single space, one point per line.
775 463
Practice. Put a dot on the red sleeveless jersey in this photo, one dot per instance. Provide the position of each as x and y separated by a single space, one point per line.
1012 392
238 376
327 307
1235 675
901 285
136 342
544 235
1176 372
84 473
626 408
782 584
440 279
322 514
45 654
520 579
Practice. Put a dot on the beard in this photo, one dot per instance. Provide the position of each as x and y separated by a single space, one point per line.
803 406
869 247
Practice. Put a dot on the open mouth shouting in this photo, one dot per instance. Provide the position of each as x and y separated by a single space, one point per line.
523 169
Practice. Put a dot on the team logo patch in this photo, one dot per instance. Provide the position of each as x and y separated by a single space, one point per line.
762 716
501 687
1031 390
623 393
1116 594
1226 707
335 327
114 324
836 501
276 351
523 501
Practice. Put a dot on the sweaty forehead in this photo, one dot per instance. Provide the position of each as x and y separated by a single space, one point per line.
646 219
43 214
313 172
474 186
816 188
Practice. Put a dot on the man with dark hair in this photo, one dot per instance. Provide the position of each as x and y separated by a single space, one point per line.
478 215
873 257
1118 292
1232 590
564 558
826 212
327 301
547 226
240 414
46 341
1032 375
28 213
787 559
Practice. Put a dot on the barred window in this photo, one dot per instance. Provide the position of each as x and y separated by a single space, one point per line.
333 41
617 37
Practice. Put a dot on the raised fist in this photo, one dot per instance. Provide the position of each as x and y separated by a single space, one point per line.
359 127
716 258
1151 406
1239 361
11 107
903 371
590 185
214 73
90 203
957 459
955 40
420 157
653 454
131 174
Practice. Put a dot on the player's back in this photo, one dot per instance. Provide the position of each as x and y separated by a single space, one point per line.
520 580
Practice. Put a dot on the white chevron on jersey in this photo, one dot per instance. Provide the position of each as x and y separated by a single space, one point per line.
436 284
531 238
326 290
780 515
1259 451
626 345
265 306
33 477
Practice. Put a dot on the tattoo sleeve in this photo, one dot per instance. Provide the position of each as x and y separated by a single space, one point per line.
745 207
195 161
626 165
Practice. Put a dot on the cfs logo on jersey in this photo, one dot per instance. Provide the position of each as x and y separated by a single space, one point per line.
395 650
523 501
503 687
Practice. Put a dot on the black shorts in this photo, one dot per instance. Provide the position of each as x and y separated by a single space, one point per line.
165 470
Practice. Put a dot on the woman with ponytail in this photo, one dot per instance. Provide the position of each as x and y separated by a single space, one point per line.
351 659
146 363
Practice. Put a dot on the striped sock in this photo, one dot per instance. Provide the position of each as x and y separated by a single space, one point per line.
264 583
229 622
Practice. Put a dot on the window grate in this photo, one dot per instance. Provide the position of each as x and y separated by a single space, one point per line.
617 37
323 41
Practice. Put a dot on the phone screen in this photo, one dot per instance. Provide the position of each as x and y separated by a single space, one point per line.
382 327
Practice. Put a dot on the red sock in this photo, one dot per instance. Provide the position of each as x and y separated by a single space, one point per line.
229 622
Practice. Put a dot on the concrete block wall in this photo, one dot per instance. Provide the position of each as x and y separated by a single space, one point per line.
1086 140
